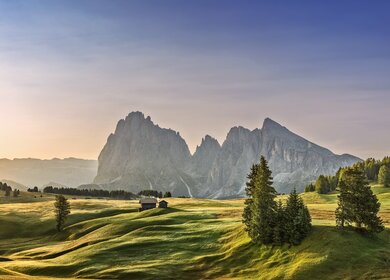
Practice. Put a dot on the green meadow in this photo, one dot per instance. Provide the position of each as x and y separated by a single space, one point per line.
192 239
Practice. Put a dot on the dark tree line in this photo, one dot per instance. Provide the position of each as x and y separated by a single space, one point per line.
8 190
118 194
268 221
372 166
155 193
4 187
324 184
34 189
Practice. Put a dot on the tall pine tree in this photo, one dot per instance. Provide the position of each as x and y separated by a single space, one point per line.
248 210
260 210
322 185
62 210
280 229
298 220
343 213
357 204
384 176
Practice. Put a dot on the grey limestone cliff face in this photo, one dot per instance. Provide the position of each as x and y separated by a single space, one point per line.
141 155
228 172
204 157
293 160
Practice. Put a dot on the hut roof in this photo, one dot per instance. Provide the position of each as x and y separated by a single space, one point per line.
148 200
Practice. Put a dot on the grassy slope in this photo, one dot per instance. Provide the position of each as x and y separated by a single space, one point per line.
194 239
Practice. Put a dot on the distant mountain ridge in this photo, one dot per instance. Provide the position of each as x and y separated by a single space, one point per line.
14 185
141 155
70 172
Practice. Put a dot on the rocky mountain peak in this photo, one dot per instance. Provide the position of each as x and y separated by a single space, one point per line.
135 115
204 156
238 130
133 120
270 124
237 134
208 144
209 141
141 155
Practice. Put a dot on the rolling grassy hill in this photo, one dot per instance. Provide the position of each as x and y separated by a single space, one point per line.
193 239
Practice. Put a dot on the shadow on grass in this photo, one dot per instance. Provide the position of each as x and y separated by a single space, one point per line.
326 250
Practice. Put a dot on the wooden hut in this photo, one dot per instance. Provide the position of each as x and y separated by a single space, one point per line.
162 204
147 203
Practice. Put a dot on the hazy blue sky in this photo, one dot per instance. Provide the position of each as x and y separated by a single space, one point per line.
69 70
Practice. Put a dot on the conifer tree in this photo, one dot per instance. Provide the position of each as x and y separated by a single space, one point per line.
280 224
343 210
8 191
62 210
384 176
248 209
322 185
298 220
264 205
357 204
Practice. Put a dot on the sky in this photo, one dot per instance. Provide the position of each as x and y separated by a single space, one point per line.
69 70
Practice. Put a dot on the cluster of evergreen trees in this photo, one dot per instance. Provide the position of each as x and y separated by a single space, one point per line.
268 221
323 184
371 167
118 194
357 205
374 170
5 188
155 193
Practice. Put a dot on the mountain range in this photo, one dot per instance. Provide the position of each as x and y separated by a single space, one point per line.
141 155
29 172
